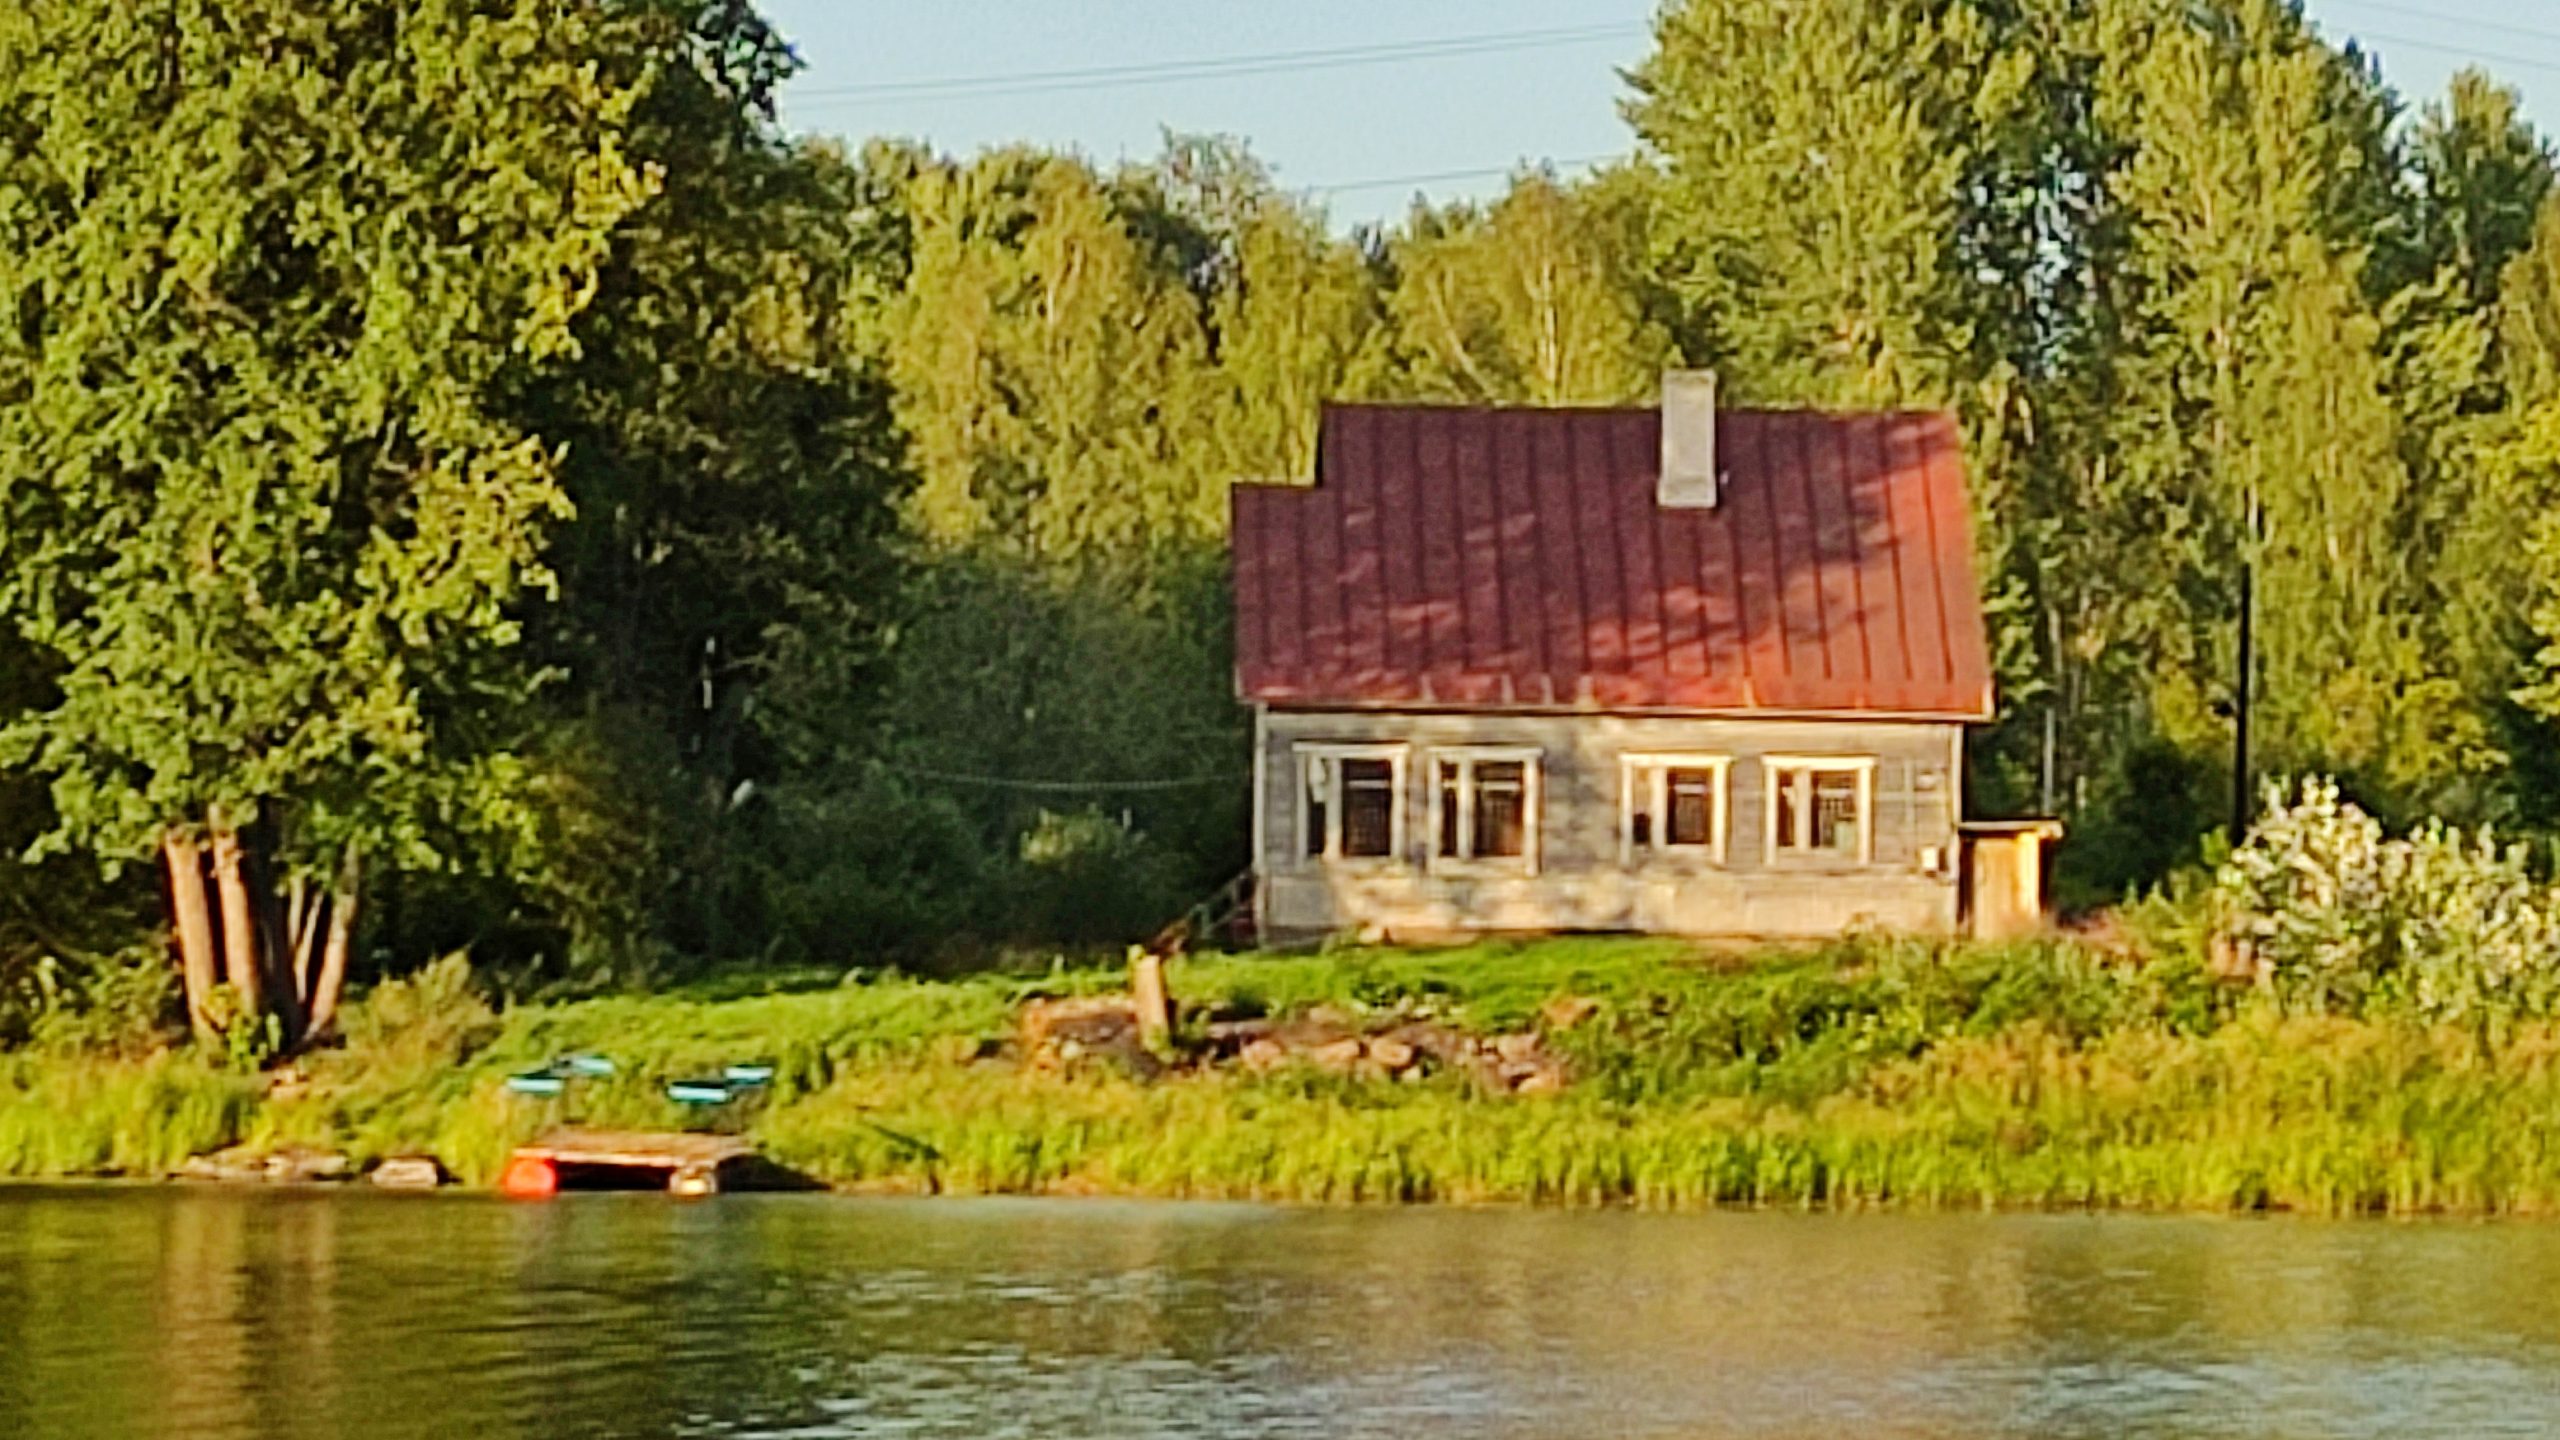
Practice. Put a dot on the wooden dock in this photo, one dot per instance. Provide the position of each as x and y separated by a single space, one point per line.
679 1162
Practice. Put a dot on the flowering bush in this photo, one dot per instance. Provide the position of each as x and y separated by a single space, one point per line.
2331 914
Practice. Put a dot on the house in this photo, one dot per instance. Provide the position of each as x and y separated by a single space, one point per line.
1679 670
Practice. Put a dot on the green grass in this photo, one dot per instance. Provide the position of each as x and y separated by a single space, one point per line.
1869 1073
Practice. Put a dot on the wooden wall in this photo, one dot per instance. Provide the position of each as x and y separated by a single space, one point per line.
1581 878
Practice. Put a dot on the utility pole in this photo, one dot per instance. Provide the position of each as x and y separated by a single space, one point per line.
2240 798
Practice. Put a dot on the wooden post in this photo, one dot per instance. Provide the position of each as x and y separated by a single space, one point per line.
1147 996
2031 878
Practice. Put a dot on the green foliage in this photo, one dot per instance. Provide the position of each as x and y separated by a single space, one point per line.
121 1004
435 1017
118 1116
244 1039
2200 303
1877 1072
259 514
1537 299
473 428
2336 917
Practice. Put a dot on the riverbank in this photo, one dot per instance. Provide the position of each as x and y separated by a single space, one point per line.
1871 1073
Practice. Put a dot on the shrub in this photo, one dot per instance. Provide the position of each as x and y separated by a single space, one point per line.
125 1003
2330 914
434 1017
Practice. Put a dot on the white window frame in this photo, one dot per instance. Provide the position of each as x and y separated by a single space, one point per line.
1307 755
1646 776
1532 802
1774 766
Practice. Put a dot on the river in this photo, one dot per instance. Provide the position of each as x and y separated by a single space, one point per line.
203 1314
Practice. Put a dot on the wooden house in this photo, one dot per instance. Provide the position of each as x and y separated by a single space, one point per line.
1680 669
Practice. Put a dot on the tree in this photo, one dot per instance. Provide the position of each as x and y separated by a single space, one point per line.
2482 174
1045 361
270 272
2259 394
733 470
1895 203
1533 300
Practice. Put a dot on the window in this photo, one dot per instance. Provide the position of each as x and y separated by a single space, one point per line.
1484 807
1350 802
1821 808
1673 805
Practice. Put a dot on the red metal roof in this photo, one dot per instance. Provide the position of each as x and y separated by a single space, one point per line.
1490 559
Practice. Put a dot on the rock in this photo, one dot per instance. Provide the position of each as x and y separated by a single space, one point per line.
1392 1054
1566 1011
1339 1055
1230 1037
1515 1049
301 1165
284 1165
235 1164
1545 1080
1437 1043
1263 1054
409 1172
1094 1028
1095 1021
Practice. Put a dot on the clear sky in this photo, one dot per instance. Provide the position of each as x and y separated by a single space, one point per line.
1367 101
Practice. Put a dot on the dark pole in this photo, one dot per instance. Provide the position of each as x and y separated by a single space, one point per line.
2240 718
2240 800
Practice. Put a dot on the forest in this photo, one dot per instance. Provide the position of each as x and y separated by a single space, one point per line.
472 482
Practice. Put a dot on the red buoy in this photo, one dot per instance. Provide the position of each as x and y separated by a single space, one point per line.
529 1176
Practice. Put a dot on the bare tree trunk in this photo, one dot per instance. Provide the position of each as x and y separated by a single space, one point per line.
332 980
302 906
240 949
198 963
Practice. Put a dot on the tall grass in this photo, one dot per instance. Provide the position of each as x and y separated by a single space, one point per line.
1871 1073
65 1115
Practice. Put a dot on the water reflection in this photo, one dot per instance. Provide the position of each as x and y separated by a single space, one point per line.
181 1313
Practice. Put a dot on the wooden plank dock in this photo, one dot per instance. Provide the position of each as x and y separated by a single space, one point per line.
680 1162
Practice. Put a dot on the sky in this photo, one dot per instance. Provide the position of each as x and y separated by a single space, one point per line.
1366 102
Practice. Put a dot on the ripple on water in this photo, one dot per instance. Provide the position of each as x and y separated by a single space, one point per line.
188 1313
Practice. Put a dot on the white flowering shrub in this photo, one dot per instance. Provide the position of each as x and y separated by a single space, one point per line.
2329 913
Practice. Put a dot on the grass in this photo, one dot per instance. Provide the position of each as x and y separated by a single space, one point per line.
1871 1073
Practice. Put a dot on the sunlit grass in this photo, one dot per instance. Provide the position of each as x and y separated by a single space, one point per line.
1874 1073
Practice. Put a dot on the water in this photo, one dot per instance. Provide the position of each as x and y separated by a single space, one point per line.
208 1315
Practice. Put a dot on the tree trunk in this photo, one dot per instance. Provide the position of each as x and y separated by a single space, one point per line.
198 963
302 906
332 980
242 957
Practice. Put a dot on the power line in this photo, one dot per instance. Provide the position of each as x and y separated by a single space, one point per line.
973 87
1079 787
1480 172
2414 13
2372 37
